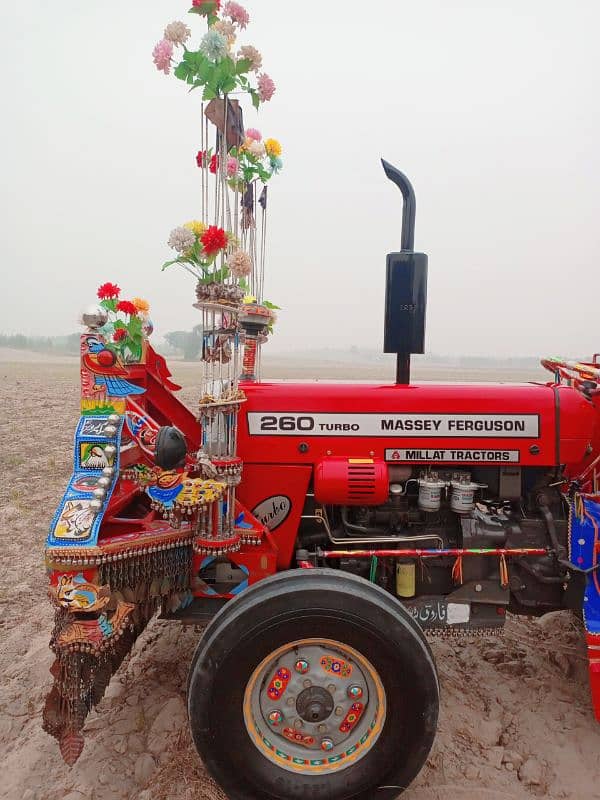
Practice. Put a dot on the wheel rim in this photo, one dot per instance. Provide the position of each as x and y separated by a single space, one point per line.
314 706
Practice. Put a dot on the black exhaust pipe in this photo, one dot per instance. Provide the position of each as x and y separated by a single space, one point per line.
406 286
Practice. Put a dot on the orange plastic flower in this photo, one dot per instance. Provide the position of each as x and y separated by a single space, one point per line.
141 304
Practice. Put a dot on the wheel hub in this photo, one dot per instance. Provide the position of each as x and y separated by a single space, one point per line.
315 704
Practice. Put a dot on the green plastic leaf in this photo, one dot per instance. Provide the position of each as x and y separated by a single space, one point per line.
272 306
209 94
228 85
243 65
255 98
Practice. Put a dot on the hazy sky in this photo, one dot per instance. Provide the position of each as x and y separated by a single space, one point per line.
491 108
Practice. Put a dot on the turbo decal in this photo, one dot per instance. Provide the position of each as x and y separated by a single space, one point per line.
273 511
409 425
279 683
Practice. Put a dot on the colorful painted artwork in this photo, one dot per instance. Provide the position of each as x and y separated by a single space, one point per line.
279 684
336 666
75 593
352 717
93 455
298 737
75 521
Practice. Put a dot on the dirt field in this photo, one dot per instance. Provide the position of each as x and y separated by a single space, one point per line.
515 722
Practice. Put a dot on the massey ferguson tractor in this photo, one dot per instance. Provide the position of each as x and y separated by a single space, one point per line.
318 530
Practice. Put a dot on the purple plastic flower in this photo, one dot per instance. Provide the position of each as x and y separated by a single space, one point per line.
162 54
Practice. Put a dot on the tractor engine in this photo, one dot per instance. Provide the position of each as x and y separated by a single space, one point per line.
368 477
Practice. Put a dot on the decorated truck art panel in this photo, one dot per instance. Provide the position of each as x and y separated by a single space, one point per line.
317 530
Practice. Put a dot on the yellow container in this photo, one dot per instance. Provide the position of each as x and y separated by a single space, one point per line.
406 579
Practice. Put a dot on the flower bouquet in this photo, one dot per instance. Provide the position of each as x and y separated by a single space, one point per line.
127 325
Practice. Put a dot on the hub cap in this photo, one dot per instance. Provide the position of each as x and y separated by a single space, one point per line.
314 706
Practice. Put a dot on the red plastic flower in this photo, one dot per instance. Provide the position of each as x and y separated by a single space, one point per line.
200 157
127 307
108 291
119 335
213 239
214 164
200 3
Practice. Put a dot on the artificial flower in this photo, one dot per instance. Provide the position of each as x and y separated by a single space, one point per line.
249 299
195 226
162 55
141 304
232 166
177 33
108 291
214 164
252 133
201 158
276 165
210 5
273 148
252 55
214 45
236 13
239 263
266 87
213 239
119 335
127 307
181 240
257 149
226 29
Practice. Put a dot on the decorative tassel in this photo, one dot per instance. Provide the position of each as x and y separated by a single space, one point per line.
504 578
457 571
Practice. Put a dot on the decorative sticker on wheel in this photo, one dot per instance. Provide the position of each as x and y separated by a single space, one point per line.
336 666
352 717
298 737
279 683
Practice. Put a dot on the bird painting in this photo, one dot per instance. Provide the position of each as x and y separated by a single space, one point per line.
108 370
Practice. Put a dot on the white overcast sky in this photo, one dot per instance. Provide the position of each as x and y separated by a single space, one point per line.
491 108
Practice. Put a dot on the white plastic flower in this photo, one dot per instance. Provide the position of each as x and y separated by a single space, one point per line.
214 45
177 32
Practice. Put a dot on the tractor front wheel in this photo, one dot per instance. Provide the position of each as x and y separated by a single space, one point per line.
313 683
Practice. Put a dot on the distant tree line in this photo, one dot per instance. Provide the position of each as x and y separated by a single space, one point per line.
61 345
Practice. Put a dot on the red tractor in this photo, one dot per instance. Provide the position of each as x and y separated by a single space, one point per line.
348 521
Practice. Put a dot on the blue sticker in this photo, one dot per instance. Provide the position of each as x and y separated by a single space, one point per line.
77 521
584 541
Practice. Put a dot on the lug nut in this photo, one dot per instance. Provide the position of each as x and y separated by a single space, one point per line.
275 718
355 692
327 745
307 684
302 666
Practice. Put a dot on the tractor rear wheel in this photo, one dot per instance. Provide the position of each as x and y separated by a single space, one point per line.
313 683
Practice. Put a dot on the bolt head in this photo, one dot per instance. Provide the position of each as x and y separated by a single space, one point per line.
339 712
275 718
307 684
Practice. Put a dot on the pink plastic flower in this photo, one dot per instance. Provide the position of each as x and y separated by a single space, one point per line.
232 166
162 54
236 13
266 87
252 133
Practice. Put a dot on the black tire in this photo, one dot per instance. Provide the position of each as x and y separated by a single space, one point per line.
307 604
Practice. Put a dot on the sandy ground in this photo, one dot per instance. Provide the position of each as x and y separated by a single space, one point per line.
516 720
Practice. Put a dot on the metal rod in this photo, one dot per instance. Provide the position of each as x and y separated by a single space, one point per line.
419 553
403 368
